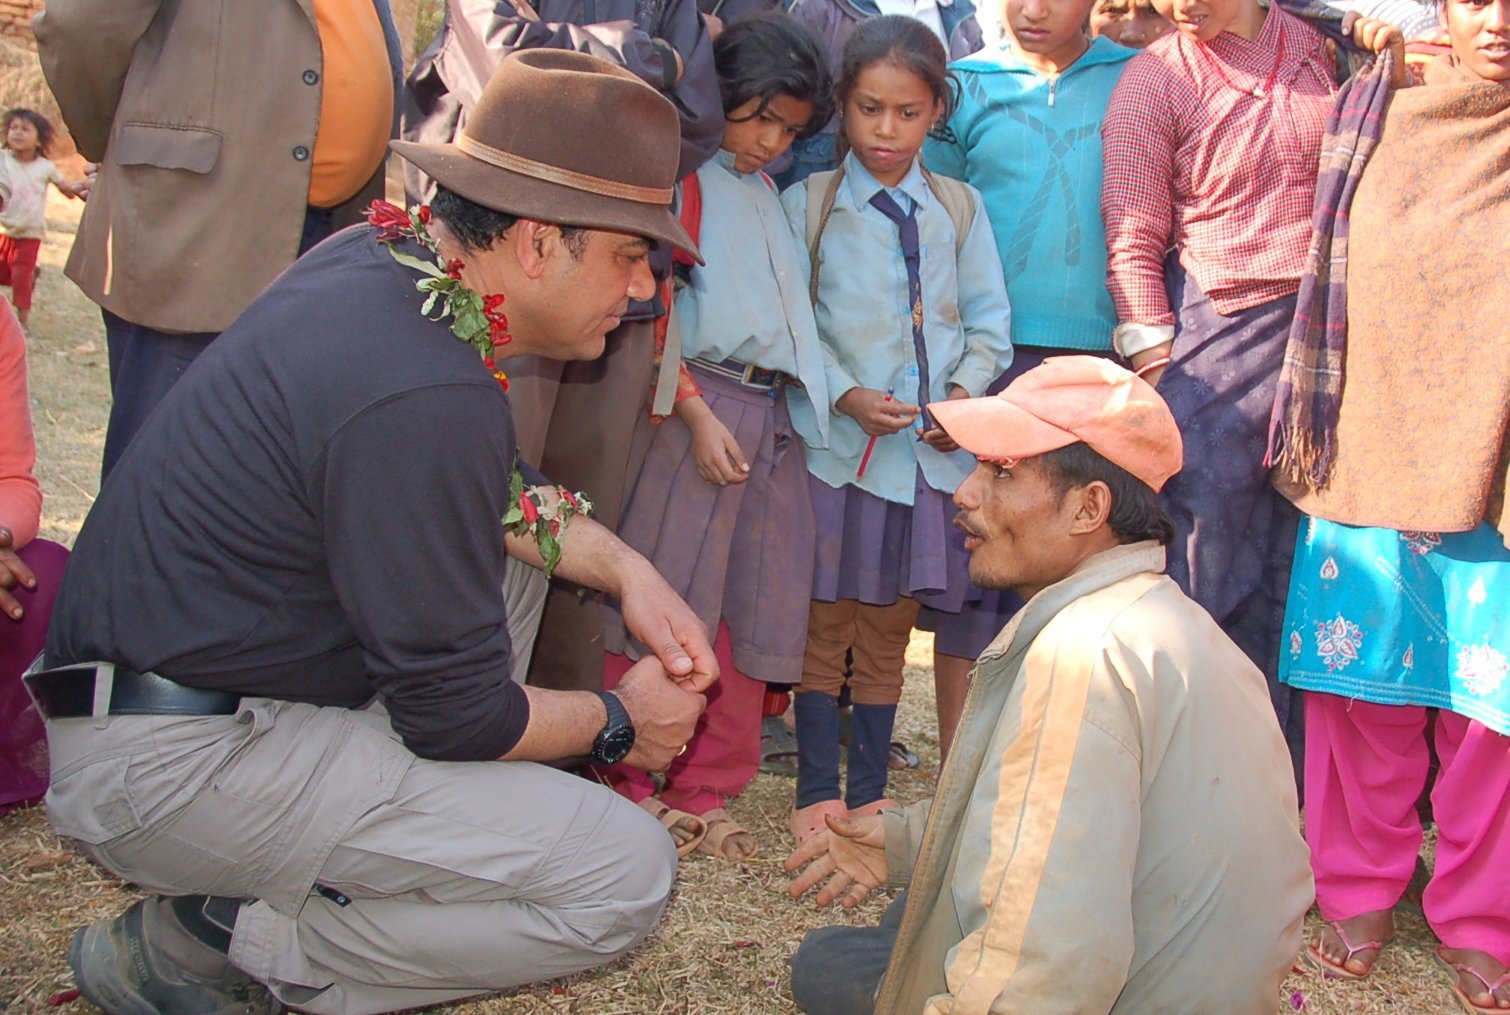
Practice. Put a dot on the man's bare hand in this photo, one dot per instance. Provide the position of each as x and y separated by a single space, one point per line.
664 714
850 854
661 620
13 573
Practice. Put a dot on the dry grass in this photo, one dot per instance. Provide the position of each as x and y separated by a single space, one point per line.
729 930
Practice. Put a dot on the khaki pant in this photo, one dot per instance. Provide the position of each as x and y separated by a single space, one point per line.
463 877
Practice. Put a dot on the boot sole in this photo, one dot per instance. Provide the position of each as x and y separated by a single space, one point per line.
85 952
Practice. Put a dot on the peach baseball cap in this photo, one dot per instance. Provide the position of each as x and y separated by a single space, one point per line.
1069 399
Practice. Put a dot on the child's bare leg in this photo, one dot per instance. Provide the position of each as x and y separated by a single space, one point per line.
951 680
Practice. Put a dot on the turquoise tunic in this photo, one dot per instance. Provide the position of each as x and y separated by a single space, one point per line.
1402 618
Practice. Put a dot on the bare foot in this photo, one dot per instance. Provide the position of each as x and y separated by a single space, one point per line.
684 830
1358 930
1486 970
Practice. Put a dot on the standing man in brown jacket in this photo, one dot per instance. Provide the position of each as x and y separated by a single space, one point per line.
231 137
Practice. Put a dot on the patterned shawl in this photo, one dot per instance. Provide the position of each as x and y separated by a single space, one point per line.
1303 425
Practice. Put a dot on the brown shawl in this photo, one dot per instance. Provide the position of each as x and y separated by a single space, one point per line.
1421 433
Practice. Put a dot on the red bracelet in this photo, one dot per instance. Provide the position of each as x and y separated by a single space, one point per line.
1162 361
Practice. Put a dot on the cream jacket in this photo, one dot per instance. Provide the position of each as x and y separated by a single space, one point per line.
1116 829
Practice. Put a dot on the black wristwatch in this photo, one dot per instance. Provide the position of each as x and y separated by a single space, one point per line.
616 738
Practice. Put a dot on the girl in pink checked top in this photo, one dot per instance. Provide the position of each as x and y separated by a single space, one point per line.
1212 140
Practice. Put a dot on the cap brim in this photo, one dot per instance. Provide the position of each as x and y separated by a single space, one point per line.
507 191
994 428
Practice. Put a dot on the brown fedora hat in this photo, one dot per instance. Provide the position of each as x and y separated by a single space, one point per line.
568 138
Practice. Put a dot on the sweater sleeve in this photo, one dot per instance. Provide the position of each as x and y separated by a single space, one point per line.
1137 195
20 494
420 574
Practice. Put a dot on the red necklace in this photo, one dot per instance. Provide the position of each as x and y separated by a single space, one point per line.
1256 91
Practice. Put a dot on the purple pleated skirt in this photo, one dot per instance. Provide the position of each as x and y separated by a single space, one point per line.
741 553
875 550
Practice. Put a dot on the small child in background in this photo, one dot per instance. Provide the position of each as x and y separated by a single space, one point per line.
721 505
1130 23
912 309
23 219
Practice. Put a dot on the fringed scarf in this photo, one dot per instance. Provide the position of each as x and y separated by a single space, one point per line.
1304 421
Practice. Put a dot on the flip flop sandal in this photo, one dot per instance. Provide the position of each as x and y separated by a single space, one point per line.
721 825
778 747
1339 970
670 818
808 821
1456 970
899 757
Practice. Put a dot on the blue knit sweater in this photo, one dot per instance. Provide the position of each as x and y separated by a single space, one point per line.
1032 146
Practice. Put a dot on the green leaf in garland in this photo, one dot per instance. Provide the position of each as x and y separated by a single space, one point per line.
410 261
550 547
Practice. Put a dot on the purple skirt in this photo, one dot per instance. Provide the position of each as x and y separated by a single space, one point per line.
741 553
967 632
1234 533
874 550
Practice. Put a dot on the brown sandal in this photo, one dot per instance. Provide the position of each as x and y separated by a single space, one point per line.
671 819
721 825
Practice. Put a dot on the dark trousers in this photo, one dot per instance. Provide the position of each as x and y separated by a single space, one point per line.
837 970
145 363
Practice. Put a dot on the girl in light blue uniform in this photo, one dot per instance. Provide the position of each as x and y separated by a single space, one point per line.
911 308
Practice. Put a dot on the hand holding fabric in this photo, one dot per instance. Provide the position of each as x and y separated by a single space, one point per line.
13 573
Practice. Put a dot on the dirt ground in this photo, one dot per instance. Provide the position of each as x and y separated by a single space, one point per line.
729 930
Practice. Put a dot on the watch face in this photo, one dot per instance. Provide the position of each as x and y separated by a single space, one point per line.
613 744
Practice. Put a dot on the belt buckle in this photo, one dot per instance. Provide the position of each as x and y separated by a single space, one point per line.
760 377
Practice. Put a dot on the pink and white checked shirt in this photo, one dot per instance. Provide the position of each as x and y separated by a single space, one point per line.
1194 161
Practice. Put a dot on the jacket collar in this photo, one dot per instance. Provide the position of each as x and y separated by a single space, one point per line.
1095 573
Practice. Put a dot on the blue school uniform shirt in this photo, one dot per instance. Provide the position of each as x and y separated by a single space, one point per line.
865 321
749 302
1032 144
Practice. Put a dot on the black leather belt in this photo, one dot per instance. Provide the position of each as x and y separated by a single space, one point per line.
744 373
72 692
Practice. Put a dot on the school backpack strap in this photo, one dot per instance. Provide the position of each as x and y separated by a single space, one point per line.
818 213
956 197
958 201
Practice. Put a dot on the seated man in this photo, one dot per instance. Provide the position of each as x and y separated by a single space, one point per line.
281 657
1116 827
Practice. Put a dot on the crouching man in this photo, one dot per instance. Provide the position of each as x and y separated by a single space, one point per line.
277 682
1116 827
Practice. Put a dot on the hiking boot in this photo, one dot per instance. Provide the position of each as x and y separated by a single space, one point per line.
148 961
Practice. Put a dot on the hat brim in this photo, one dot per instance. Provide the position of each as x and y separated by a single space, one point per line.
993 428
526 196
